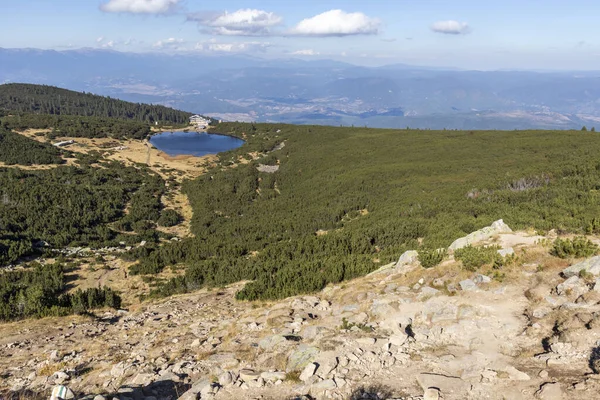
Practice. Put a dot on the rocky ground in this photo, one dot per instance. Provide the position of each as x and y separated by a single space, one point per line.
527 331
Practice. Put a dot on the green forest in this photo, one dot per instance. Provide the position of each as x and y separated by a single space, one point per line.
73 205
77 126
17 149
42 99
40 291
374 193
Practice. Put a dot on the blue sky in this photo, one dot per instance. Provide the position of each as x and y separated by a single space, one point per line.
475 34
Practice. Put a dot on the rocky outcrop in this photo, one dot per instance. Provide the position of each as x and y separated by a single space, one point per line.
479 236
590 266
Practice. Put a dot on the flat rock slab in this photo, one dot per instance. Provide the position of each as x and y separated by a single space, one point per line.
450 387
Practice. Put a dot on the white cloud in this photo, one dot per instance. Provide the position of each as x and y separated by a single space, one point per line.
170 43
305 52
103 43
337 23
451 27
237 47
245 22
139 6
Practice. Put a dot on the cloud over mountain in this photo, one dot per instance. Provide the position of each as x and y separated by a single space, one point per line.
244 22
337 23
451 27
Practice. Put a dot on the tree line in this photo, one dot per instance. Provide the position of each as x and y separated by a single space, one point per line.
40 291
42 99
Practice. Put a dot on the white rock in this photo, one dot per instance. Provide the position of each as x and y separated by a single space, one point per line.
407 261
467 285
479 278
431 394
591 266
308 371
516 375
273 376
550 391
398 339
480 235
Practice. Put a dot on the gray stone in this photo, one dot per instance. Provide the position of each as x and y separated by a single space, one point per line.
225 378
407 261
480 235
398 339
327 384
273 376
366 341
269 169
249 375
301 357
516 375
479 279
591 266
269 342
574 285
467 285
427 292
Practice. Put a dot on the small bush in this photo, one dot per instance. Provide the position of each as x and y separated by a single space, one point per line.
429 258
169 218
576 248
473 258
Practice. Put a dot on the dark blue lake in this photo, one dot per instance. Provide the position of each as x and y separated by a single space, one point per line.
194 143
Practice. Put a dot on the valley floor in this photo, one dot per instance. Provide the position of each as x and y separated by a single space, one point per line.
397 333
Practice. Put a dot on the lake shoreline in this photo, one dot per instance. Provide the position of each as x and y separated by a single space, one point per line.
185 144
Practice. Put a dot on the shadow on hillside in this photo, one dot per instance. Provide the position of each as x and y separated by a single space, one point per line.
167 390
24 394
372 392
163 390
594 361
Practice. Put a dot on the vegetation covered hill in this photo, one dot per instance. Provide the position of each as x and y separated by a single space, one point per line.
78 126
16 149
41 99
374 193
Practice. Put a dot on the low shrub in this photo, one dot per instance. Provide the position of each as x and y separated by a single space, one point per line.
473 258
429 258
576 248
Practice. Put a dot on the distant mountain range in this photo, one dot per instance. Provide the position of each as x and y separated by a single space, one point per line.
234 87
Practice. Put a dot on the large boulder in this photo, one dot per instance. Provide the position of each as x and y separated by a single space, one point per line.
480 235
591 266
408 261
301 358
